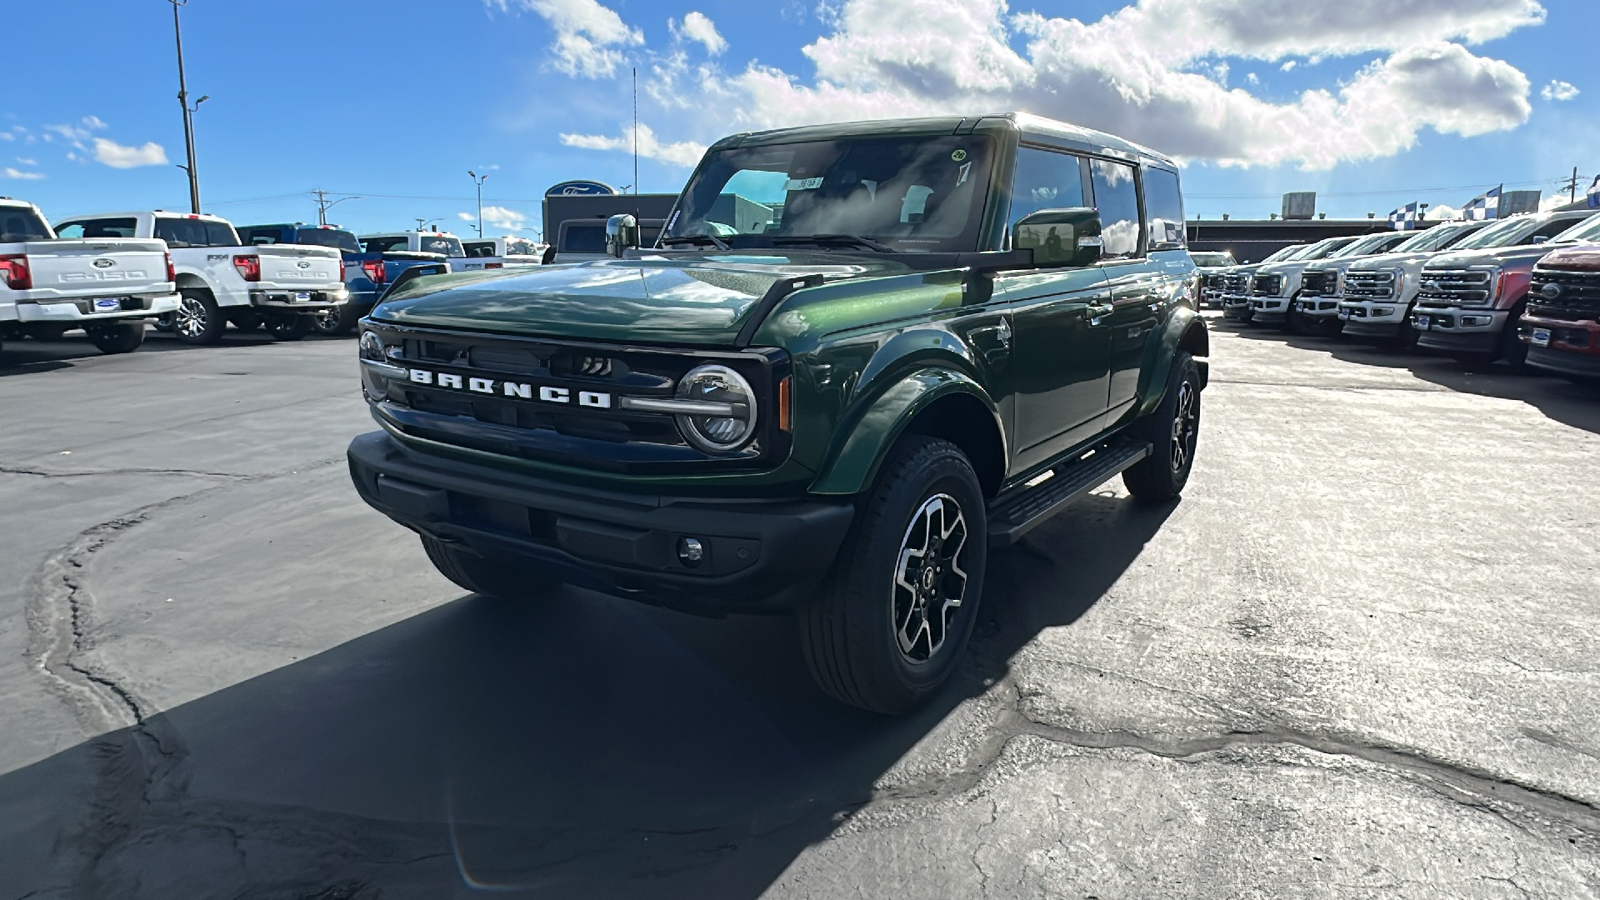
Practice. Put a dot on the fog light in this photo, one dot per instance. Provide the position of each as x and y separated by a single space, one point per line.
691 551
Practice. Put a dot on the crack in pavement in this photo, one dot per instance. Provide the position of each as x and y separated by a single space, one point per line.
87 473
1539 812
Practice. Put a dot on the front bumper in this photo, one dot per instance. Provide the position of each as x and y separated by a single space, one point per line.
1235 306
96 309
1459 330
287 300
1317 307
1269 310
761 555
1562 345
1373 318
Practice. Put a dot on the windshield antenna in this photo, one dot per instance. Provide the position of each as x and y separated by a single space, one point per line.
636 132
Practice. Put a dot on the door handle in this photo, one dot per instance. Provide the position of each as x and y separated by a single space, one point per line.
1098 311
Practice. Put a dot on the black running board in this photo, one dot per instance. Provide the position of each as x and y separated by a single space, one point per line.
1017 515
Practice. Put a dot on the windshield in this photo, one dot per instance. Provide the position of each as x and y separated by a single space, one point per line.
328 237
1364 246
1500 234
521 248
449 245
1322 249
1212 260
1587 230
906 192
1433 239
22 224
1283 254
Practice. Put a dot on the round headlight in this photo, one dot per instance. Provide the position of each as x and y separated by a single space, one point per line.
371 346
733 423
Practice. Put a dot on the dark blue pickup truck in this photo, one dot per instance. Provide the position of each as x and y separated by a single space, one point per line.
366 275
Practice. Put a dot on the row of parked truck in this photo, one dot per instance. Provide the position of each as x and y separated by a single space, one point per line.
1524 289
194 275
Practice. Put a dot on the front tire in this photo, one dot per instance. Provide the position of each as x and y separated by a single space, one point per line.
505 578
1173 431
898 608
198 320
123 337
338 322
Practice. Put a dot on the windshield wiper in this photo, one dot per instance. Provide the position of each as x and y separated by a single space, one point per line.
711 239
853 240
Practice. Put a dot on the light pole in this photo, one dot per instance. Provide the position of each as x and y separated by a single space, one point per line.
188 112
479 180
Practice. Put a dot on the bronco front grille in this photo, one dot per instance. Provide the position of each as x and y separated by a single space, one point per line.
588 428
1369 285
1452 287
1577 295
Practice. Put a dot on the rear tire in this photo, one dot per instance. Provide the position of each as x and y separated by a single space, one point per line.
289 326
337 322
508 579
896 612
198 320
164 323
122 337
1173 430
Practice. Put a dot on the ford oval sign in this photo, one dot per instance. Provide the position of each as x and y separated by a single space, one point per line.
303 264
104 263
1550 291
580 189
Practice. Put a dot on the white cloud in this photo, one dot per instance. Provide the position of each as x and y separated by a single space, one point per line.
1559 90
587 34
94 123
681 153
1443 212
1288 66
117 156
499 217
7 136
27 162
1140 72
21 176
699 28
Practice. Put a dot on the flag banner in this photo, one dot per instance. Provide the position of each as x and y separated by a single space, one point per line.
1484 206
1404 218
1594 193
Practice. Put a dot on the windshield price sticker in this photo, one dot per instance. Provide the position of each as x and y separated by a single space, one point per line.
803 184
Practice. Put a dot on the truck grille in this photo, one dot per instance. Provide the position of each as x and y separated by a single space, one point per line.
1369 285
1236 283
1452 287
1266 285
609 437
1578 299
1320 283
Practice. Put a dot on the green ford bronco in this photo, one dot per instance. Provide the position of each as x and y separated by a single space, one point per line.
858 358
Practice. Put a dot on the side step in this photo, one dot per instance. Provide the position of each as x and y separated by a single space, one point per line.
1017 515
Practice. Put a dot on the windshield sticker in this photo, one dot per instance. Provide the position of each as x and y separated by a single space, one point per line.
958 154
674 220
966 169
803 184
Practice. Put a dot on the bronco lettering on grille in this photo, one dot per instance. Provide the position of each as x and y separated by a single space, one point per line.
518 389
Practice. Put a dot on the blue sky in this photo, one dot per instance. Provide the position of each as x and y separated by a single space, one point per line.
394 101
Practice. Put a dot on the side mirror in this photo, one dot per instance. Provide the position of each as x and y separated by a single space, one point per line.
1060 237
1541 239
622 234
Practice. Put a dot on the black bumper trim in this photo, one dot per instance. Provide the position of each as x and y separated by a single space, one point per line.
1459 342
761 555
1566 362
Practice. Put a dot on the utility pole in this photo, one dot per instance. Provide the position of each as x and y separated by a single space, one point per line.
479 180
1571 186
636 131
324 204
188 112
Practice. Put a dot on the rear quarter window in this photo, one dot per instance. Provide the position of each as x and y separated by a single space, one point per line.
1163 208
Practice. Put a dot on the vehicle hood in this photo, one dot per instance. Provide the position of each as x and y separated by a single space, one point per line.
1514 257
1286 268
691 299
1581 258
1390 260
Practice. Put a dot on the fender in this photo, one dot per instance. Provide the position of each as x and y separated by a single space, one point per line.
873 427
1183 330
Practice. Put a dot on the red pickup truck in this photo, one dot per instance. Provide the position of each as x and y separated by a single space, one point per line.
1562 324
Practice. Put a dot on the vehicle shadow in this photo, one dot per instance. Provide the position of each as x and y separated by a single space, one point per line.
1570 403
25 356
580 747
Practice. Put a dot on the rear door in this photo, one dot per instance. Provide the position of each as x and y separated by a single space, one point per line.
1134 260
1060 359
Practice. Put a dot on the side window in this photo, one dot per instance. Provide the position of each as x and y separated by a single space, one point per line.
70 232
98 228
1163 205
1116 195
179 233
1551 229
1045 179
220 234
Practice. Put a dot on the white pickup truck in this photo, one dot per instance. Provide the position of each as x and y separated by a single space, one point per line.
281 286
107 287
498 253
441 242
